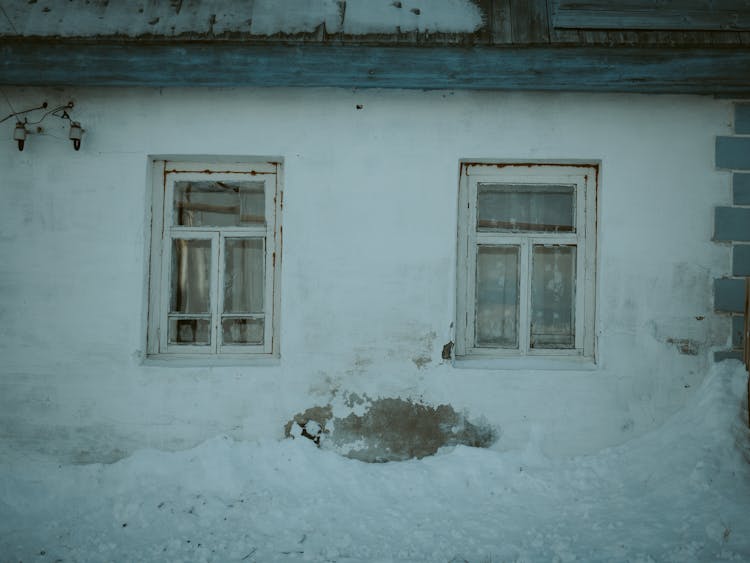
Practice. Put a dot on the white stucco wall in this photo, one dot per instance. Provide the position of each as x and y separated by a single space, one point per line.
368 274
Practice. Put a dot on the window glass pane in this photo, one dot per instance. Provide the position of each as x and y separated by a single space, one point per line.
553 283
191 280
190 331
242 331
219 204
525 207
497 296
244 278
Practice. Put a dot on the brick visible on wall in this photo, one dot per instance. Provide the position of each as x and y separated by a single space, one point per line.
741 188
742 119
729 295
732 223
728 355
741 260
738 328
733 153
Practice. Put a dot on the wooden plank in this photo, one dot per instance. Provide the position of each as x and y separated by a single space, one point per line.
484 35
500 22
746 344
529 21
690 15
717 71
644 38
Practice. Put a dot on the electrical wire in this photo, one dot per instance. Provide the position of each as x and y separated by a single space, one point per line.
53 112
16 113
7 99
10 21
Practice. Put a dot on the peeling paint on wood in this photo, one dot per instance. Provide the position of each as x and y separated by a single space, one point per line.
529 21
695 71
651 14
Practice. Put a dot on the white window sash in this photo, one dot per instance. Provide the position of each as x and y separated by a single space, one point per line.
267 298
165 175
186 234
584 181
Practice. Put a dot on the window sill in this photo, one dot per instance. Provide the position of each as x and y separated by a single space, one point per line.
529 363
193 361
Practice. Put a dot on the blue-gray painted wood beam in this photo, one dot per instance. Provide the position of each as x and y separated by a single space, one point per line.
529 21
651 14
742 119
650 70
741 188
729 295
733 153
741 260
732 224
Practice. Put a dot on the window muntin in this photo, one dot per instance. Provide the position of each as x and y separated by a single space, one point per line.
216 243
526 260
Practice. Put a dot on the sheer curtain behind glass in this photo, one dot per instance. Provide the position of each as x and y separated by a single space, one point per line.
553 297
525 207
497 296
190 301
244 286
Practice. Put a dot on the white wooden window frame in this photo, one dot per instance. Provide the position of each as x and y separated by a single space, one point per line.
164 174
584 178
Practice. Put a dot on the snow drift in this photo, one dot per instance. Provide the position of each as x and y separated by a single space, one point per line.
680 493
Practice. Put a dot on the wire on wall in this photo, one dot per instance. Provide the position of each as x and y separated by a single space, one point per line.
28 122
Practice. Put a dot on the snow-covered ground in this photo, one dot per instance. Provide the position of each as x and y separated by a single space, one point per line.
681 493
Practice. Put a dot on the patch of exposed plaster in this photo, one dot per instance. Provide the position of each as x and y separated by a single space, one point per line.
394 429
685 346
388 429
690 339
421 361
361 363
327 387
425 356
311 424
352 399
447 353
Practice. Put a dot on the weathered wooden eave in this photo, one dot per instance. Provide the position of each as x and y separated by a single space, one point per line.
714 70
